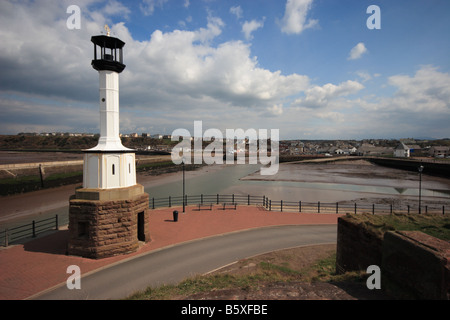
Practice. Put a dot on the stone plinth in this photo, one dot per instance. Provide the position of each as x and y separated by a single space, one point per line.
104 223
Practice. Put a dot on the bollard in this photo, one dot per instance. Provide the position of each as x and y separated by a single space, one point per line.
175 215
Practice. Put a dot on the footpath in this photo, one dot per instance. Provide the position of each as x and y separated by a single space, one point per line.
37 265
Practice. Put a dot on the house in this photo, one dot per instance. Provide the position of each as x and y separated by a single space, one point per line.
367 149
402 151
439 151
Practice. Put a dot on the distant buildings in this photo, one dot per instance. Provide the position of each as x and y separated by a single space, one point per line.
439 152
403 148
402 151
405 151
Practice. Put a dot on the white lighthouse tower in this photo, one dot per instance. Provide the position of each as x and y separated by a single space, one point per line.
109 164
109 215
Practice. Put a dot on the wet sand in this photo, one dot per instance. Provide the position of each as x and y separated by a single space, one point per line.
35 203
344 181
358 172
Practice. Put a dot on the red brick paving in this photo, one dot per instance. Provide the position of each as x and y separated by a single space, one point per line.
27 269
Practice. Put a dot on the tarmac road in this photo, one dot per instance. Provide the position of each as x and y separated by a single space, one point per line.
173 264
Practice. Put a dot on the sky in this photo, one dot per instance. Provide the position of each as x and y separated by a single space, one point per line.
313 69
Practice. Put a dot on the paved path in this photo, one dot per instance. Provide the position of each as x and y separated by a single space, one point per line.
30 268
172 265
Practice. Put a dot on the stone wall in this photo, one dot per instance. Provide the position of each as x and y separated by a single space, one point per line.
104 228
415 264
357 246
418 263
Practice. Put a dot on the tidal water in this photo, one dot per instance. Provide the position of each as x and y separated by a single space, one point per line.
293 183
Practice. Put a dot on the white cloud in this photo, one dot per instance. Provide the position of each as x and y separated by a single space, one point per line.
237 11
114 8
294 19
427 92
176 77
357 51
322 96
148 6
250 26
170 79
276 109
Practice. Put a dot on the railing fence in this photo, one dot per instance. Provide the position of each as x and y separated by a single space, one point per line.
293 206
34 228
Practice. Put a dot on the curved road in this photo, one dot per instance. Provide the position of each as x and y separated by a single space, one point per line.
173 264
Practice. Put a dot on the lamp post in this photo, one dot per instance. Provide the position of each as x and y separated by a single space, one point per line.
420 187
183 185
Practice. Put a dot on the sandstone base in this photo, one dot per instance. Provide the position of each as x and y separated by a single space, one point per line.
104 223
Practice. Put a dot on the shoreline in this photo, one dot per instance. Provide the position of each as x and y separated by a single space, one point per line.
36 203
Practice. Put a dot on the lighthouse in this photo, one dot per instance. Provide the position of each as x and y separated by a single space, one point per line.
109 214
109 164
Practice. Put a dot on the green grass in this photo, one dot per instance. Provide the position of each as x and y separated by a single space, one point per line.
58 176
434 225
264 272
155 165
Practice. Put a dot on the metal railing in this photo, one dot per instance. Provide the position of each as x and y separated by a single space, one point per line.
294 206
171 201
30 230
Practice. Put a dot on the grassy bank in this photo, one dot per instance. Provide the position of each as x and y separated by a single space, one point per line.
434 225
23 184
27 183
259 273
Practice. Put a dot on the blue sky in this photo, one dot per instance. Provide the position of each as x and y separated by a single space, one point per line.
262 64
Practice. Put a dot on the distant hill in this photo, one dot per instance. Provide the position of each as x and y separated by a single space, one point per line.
69 143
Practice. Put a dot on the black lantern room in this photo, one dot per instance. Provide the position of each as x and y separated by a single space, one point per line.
110 57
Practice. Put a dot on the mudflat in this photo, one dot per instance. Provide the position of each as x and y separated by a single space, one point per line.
359 172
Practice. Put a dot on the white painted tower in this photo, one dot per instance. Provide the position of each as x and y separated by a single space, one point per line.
109 164
109 215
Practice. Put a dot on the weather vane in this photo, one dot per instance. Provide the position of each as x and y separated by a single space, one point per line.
108 31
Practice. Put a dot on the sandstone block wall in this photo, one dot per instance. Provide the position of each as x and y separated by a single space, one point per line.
417 262
99 229
357 247
414 264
